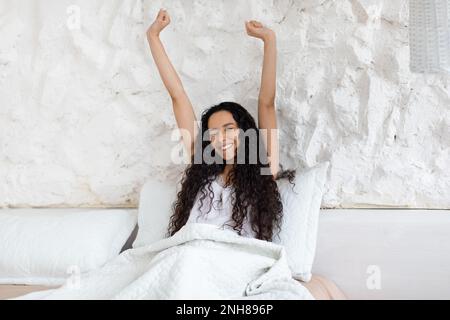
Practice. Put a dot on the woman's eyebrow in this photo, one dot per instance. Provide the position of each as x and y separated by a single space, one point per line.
228 124
225 125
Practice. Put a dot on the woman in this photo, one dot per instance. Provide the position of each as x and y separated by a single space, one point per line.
242 194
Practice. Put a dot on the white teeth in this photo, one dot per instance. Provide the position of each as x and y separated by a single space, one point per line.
228 146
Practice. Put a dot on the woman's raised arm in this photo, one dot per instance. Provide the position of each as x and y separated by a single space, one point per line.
182 107
266 102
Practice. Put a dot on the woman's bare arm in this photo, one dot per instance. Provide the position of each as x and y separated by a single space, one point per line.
266 103
182 107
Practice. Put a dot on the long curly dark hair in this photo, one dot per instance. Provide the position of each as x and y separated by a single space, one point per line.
255 194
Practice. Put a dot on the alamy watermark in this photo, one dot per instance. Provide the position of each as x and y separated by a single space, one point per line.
73 17
251 148
73 282
373 281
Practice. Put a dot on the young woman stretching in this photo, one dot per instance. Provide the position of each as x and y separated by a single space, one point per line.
240 196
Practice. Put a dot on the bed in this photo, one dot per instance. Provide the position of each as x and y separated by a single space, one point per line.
407 249
320 287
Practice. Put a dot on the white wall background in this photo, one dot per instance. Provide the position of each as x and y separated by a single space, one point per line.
85 118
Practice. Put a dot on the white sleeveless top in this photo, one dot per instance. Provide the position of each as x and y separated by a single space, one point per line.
221 209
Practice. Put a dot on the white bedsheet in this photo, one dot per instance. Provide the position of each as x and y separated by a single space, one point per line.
201 261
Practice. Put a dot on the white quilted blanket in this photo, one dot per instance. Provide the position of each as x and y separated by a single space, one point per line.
201 261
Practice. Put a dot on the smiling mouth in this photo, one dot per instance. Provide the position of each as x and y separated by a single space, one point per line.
227 146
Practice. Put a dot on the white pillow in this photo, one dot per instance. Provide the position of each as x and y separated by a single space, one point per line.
46 247
301 208
300 219
155 210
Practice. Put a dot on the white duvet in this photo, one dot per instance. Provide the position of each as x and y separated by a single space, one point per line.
201 261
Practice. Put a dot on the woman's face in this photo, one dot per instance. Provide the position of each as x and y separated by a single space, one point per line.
223 134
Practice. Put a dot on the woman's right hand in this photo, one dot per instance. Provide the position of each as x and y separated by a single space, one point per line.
257 30
161 22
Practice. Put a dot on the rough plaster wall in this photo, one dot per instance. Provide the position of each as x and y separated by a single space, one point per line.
85 119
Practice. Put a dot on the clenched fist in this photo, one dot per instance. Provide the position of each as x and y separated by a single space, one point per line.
257 30
161 22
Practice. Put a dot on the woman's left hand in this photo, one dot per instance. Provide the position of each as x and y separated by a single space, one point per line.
257 30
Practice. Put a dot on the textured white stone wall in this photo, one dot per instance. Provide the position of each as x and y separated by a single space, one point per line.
85 118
